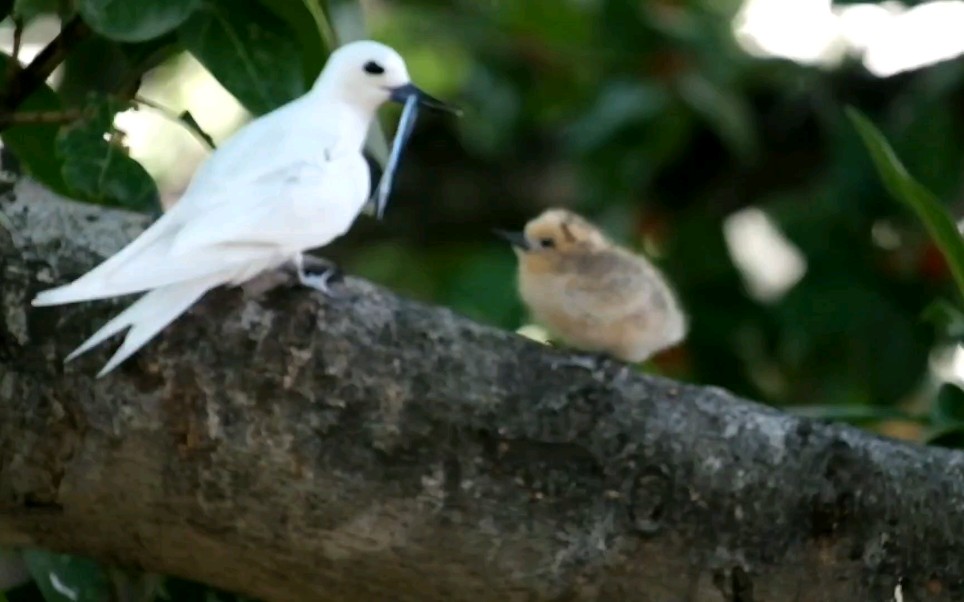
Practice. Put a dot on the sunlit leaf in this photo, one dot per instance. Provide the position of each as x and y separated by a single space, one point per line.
138 21
906 189
249 50
100 170
64 578
34 144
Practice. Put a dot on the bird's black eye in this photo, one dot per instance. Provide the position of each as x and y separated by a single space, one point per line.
547 242
374 68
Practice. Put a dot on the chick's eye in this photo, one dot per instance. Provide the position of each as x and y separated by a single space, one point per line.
547 242
373 68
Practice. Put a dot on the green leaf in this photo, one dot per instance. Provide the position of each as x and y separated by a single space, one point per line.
64 578
35 144
247 48
100 170
138 21
906 189
852 413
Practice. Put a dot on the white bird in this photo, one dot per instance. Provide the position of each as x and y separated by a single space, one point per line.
291 180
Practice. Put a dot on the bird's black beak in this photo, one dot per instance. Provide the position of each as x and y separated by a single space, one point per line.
403 93
516 239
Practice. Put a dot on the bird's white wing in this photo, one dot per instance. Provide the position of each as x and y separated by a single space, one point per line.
304 205
261 145
288 177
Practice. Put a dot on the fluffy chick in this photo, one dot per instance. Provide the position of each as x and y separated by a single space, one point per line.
592 294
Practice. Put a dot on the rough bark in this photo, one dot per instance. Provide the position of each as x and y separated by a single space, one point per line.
374 448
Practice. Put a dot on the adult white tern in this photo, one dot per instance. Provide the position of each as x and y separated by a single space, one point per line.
291 180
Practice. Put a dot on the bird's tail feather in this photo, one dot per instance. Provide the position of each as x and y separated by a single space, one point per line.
80 289
152 269
146 317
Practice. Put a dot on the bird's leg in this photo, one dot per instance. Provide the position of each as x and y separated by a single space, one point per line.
319 281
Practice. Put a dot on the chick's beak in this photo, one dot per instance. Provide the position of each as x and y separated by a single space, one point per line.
402 93
516 239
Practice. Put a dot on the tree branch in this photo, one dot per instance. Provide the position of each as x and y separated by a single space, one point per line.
25 82
374 448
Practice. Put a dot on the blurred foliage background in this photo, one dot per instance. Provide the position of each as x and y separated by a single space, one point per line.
709 134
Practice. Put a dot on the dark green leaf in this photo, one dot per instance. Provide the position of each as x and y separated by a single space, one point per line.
138 21
952 437
179 590
97 63
724 111
63 578
13 571
906 189
6 6
100 170
135 586
949 405
27 10
34 144
854 414
619 104
249 50
312 43
946 317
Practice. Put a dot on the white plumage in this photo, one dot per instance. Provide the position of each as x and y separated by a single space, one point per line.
292 180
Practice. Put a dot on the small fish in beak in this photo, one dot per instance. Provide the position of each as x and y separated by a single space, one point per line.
412 97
